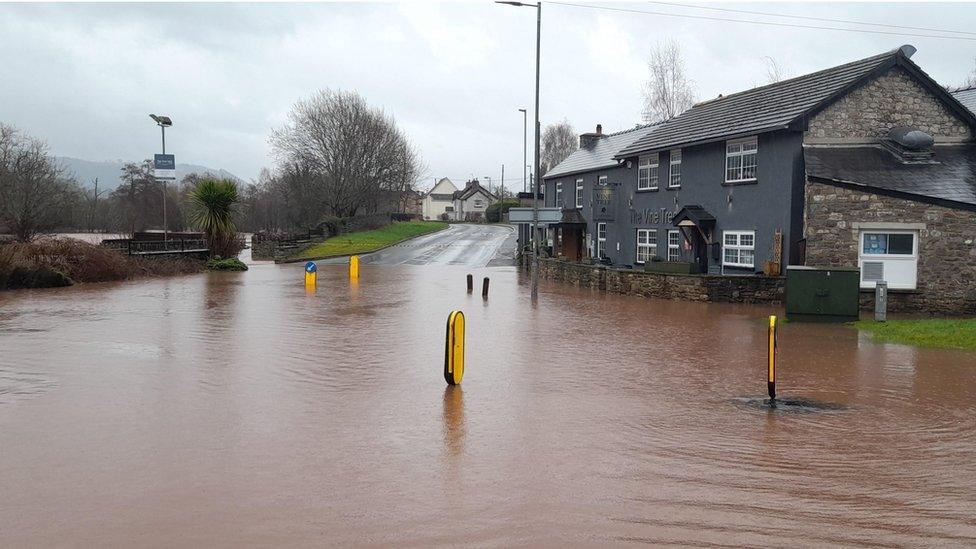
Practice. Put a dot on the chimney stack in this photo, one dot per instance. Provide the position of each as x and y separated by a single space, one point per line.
589 140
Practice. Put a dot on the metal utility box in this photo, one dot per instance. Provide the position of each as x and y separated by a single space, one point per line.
822 294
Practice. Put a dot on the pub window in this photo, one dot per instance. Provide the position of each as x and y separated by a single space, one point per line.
674 176
674 245
559 195
891 256
646 245
740 160
601 240
739 249
579 193
647 173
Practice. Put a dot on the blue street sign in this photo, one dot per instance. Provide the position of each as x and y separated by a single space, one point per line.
164 162
310 267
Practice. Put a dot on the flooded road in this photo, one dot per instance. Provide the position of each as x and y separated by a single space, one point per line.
238 409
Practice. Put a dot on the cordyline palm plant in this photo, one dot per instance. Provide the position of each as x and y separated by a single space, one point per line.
212 206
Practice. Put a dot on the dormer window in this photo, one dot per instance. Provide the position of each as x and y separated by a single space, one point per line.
741 159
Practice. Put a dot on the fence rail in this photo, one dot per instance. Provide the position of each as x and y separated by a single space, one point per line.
145 247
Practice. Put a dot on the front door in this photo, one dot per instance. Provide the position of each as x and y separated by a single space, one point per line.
699 249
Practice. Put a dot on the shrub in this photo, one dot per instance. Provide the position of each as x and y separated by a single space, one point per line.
493 213
226 244
228 264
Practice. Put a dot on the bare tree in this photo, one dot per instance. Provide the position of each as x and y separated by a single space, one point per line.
774 72
338 156
559 140
668 91
971 79
34 190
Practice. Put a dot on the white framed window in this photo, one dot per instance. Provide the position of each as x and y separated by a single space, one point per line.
579 193
739 248
601 240
559 194
478 203
674 175
741 158
647 173
888 255
674 245
646 245
602 181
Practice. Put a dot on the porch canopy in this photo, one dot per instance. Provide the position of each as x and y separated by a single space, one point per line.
571 218
693 216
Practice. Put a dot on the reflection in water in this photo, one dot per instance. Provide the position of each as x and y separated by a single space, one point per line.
242 408
454 428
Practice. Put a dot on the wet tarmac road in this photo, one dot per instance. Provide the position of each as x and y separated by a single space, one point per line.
473 245
239 409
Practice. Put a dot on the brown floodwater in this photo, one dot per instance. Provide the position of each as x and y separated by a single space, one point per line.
240 409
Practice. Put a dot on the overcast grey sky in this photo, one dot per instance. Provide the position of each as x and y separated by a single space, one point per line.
85 77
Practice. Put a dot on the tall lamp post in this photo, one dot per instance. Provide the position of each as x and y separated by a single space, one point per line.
163 122
538 176
525 150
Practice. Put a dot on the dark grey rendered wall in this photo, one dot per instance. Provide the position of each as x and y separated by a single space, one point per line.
773 202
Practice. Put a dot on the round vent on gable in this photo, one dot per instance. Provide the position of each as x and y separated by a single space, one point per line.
910 138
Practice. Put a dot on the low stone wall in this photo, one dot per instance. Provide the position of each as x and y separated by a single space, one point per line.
687 287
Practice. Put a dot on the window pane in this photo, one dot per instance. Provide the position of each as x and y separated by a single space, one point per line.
731 255
750 146
746 239
731 239
875 243
746 256
900 244
749 166
733 148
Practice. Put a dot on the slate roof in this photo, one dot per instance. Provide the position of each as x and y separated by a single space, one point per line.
470 190
949 180
766 108
967 97
601 155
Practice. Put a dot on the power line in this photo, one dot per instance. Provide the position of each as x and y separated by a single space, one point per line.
809 18
769 23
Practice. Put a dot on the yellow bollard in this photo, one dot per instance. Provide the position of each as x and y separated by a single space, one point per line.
354 266
771 371
310 274
454 353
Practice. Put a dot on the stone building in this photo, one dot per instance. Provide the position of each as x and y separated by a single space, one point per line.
869 164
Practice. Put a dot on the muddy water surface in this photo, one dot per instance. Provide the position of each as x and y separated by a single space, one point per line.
240 409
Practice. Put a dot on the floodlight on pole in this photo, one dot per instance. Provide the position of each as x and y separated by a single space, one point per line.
163 122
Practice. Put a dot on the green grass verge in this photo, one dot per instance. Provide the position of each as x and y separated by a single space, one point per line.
369 241
944 333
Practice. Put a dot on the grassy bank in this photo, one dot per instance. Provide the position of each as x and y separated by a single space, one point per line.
369 241
945 333
65 261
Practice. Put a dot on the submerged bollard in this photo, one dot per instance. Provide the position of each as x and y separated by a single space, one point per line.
310 274
354 266
470 283
771 374
454 352
484 288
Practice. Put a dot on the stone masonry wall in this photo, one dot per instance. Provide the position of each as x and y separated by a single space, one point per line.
893 99
946 246
730 289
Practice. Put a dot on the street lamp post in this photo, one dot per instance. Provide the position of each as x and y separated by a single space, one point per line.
538 176
163 122
525 150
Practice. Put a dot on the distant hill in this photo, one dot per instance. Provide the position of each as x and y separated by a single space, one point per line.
107 172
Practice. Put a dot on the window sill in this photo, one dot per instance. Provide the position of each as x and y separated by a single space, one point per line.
673 187
654 190
893 291
743 182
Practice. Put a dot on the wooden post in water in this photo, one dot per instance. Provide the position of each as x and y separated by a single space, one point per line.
470 283
771 366
881 301
484 288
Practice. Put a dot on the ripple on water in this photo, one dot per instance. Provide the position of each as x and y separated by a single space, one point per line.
16 385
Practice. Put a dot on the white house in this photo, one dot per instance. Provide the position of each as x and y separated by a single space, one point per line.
471 202
439 200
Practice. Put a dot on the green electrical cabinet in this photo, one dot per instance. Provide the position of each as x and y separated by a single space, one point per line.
822 294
